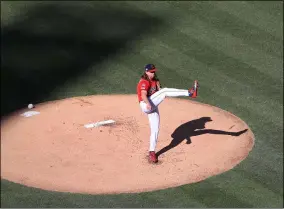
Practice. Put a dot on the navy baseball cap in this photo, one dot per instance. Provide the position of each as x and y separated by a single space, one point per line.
150 68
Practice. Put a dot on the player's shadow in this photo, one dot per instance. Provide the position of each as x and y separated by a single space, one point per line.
193 128
51 44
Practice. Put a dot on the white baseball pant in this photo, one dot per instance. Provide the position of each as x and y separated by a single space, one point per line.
153 115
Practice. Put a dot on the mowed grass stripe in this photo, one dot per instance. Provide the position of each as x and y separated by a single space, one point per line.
261 167
245 189
30 197
246 12
274 8
210 194
234 47
230 24
153 7
194 195
248 33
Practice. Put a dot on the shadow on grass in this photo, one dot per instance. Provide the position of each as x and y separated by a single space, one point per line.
189 129
55 42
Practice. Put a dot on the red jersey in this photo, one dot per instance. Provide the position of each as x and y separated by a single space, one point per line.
149 86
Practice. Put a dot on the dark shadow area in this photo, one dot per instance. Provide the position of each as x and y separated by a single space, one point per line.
55 42
192 128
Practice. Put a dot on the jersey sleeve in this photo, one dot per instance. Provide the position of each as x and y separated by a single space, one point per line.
144 85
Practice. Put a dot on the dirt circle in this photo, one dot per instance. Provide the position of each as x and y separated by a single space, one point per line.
54 151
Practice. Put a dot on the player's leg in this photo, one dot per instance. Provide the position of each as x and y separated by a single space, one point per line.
154 121
159 96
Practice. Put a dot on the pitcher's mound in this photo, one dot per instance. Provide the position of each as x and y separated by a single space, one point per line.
54 151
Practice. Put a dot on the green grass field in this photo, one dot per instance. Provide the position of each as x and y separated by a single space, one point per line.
235 50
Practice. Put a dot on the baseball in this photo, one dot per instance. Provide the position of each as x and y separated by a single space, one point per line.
30 106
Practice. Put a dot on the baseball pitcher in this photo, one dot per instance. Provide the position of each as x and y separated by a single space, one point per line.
150 95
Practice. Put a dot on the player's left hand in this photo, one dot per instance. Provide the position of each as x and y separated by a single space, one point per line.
149 107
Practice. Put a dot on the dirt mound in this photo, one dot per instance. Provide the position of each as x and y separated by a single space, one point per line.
54 151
